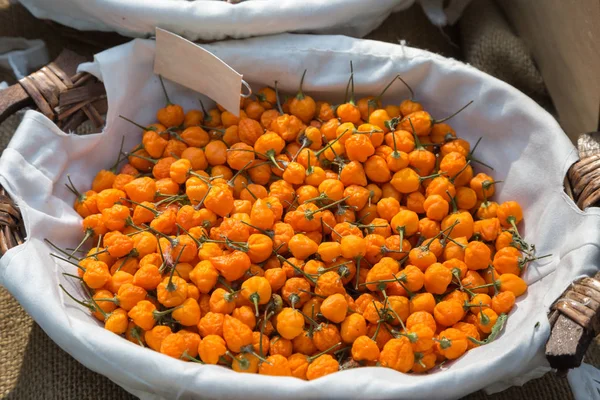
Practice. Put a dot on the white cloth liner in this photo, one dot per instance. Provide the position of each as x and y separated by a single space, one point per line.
217 20
523 142
22 56
585 382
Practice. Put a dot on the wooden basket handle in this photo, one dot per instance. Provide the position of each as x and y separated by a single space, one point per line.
574 320
575 316
64 96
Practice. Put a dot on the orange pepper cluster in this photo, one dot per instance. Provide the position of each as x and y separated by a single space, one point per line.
301 239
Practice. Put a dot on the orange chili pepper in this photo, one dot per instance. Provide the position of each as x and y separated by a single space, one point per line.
335 308
290 323
452 343
281 346
397 354
321 366
477 256
503 302
448 313
302 106
236 334
232 266
211 349
276 365
512 283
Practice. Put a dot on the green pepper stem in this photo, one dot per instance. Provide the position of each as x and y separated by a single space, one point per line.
418 145
401 230
347 89
260 358
188 357
112 300
305 144
270 154
453 114
88 234
231 181
224 283
310 320
484 286
357 273
172 241
144 128
395 153
297 269
329 144
314 357
123 262
61 250
378 282
408 291
485 320
95 255
159 314
471 157
440 233
452 179
212 128
380 95
323 270
312 293
386 301
255 298
412 94
81 303
164 90
452 202
262 331
300 94
422 178
72 276
69 261
328 206
481 163
374 337
170 286
496 329
201 202
114 167
150 160
513 221
73 189
352 80
278 102
268 233
152 210
321 197
523 262
206 114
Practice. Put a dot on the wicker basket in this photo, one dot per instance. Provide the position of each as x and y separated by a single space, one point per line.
70 99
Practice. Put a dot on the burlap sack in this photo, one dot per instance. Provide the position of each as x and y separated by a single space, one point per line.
489 44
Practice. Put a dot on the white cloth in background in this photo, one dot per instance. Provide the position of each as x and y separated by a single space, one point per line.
216 20
585 382
22 56
524 144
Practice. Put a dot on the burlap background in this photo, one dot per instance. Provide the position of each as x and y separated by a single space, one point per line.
33 367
